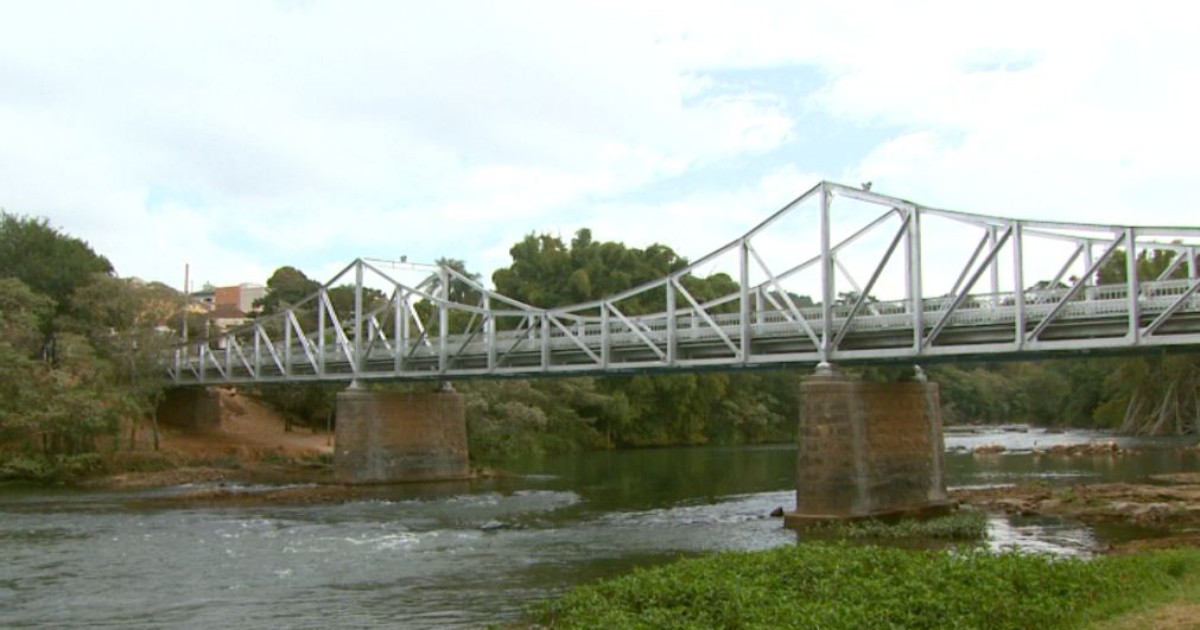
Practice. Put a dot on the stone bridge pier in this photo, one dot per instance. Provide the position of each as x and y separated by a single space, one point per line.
384 437
867 449
191 408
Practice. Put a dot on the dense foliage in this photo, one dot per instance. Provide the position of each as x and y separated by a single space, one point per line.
832 586
1149 393
78 347
78 351
623 411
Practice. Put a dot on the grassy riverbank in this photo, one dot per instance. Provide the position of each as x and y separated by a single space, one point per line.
832 586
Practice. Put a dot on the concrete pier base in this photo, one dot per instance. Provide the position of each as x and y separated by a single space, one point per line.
384 437
192 408
867 450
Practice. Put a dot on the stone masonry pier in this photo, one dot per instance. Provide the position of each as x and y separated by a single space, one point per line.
191 408
384 437
867 449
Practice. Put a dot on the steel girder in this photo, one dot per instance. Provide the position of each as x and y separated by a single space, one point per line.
798 300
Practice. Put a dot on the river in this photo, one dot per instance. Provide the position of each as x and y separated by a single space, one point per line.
455 554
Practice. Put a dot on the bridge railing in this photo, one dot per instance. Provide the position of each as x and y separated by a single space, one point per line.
450 325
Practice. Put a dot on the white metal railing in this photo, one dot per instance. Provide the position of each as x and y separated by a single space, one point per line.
450 325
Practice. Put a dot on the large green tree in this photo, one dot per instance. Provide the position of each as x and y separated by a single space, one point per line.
649 410
80 349
49 262
286 287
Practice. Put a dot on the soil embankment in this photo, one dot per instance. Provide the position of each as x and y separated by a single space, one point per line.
251 442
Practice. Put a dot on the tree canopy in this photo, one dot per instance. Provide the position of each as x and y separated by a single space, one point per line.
49 262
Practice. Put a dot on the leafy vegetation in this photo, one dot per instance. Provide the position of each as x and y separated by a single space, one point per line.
78 350
961 525
79 347
831 586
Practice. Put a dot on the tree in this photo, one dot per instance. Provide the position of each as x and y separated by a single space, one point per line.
49 262
22 313
286 287
1150 394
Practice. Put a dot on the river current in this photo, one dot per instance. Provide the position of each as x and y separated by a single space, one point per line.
456 554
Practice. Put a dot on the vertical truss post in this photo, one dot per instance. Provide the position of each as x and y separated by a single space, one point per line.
257 374
1019 283
826 278
1089 283
994 272
744 299
321 332
605 339
489 332
399 330
545 341
443 319
1191 262
912 272
287 344
1132 287
359 361
759 306
671 323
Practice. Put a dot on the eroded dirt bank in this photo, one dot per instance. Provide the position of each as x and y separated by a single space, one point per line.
251 444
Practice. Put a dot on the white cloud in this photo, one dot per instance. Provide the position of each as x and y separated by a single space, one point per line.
242 137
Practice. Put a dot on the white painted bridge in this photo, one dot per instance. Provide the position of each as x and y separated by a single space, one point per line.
839 275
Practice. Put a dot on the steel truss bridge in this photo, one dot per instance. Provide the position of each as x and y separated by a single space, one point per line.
839 275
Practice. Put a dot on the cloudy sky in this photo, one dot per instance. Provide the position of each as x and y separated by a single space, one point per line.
238 137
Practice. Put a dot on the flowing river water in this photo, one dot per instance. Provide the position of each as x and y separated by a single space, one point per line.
464 554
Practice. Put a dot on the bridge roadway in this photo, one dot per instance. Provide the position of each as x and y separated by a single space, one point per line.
450 326
983 328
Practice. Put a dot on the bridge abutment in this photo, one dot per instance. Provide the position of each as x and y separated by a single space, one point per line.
384 437
193 408
867 449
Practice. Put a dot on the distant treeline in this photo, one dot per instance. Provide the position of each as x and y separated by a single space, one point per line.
79 352
1155 394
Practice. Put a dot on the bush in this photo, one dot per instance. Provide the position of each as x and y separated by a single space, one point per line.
963 525
832 586
26 468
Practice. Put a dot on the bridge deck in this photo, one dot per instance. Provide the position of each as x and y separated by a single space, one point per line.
449 325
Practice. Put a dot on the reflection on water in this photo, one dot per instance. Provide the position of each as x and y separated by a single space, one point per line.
447 555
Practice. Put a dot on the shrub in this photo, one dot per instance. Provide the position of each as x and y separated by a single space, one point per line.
832 586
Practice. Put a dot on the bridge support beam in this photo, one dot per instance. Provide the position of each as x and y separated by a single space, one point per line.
867 450
193 408
384 437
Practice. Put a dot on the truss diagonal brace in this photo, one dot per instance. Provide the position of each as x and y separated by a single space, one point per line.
862 295
787 299
1074 290
706 317
662 356
1171 310
961 297
574 338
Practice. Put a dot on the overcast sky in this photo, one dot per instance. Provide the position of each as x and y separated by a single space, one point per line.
242 136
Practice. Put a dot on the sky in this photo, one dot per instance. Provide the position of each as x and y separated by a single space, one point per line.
238 137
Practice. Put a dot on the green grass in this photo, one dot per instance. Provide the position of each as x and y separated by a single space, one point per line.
962 525
832 586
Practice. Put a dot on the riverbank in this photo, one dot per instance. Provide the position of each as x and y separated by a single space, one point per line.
833 586
1166 509
251 444
463 554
